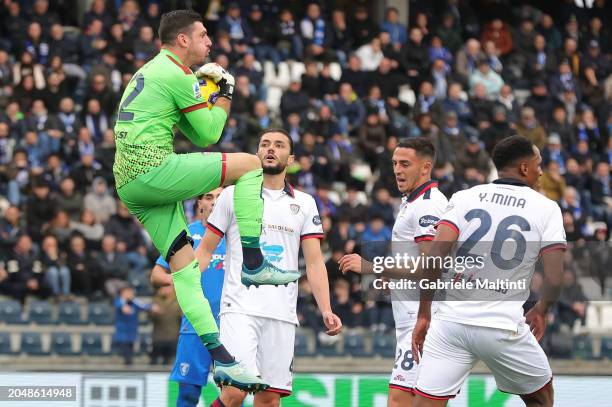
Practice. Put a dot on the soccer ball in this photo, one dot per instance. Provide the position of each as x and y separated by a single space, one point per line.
209 90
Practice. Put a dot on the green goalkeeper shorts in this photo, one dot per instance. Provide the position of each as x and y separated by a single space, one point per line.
156 197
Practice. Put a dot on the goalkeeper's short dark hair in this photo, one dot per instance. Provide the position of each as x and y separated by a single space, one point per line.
281 131
176 22
423 146
507 152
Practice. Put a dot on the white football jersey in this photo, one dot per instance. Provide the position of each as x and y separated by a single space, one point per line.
503 228
289 217
418 215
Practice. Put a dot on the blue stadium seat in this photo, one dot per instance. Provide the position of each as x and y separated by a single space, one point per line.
606 347
91 344
582 347
100 313
384 345
301 345
70 313
354 345
10 312
61 343
5 344
31 344
40 312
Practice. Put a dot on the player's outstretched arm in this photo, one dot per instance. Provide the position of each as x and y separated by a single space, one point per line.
160 276
205 250
202 126
317 278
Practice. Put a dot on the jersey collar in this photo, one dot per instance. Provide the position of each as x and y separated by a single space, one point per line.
288 189
421 189
510 181
173 57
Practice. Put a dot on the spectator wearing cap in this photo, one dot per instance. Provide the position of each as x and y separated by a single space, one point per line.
397 31
530 127
487 77
554 152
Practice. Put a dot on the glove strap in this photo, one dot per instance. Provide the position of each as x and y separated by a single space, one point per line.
225 89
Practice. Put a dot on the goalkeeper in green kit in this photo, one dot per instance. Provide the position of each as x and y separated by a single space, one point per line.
153 181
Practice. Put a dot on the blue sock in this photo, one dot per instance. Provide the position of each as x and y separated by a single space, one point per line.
188 395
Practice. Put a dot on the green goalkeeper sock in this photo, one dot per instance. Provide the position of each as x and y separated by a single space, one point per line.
248 208
188 287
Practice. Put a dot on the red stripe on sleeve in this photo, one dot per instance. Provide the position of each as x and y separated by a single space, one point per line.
223 168
214 229
555 246
449 224
194 107
312 236
423 238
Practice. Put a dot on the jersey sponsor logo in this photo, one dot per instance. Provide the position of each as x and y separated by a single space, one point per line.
294 208
217 262
184 369
399 378
316 220
428 220
197 236
278 228
196 91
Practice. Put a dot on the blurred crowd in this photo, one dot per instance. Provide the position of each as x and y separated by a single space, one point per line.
464 73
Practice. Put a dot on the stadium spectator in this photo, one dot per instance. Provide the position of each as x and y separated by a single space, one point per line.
56 271
127 308
10 229
113 266
84 272
166 317
530 127
99 201
396 30
91 230
552 182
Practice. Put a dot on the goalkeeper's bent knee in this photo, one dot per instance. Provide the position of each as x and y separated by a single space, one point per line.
188 288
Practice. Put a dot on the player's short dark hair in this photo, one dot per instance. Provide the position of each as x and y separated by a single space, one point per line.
176 22
510 150
422 145
281 131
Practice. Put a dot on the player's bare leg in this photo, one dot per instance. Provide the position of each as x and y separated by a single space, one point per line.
399 398
541 398
267 399
231 397
420 401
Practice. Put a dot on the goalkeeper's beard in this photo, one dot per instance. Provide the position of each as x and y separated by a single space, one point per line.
274 170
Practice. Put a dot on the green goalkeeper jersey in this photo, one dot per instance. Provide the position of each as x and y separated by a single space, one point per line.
158 96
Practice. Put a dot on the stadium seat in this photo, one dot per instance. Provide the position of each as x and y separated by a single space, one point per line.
297 69
384 345
31 344
91 344
592 318
354 345
331 348
606 347
273 99
606 315
5 344
301 345
61 343
100 313
10 312
70 313
406 95
40 312
335 71
582 347
560 344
